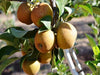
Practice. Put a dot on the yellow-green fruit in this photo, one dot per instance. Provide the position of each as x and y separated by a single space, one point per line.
66 35
24 13
31 67
45 57
40 11
44 41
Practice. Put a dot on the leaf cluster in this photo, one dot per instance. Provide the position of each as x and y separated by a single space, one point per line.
15 37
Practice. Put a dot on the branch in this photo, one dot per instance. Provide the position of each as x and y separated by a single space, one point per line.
55 16
53 3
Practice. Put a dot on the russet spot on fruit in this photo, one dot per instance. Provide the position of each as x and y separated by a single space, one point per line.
66 35
40 11
45 57
44 41
31 67
24 13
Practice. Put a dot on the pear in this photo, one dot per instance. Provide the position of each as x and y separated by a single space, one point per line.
31 67
66 35
45 57
40 11
44 41
24 13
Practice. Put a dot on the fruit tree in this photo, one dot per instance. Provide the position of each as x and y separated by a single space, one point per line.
53 33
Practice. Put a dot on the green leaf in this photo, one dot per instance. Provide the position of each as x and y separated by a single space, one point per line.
53 62
5 63
30 34
95 30
88 74
91 66
96 10
61 5
97 19
61 53
42 29
93 45
69 10
18 33
46 21
87 7
10 39
7 37
52 74
55 51
98 69
7 51
8 30
21 60
4 5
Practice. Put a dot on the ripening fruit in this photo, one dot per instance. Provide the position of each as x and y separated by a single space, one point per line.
40 11
24 13
45 57
44 41
31 67
66 35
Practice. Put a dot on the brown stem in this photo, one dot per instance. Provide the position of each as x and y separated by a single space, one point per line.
55 16
51 3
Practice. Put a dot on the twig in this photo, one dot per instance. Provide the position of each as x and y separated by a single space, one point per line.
51 3
55 15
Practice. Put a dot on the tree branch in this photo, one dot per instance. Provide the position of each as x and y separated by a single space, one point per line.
53 3
55 16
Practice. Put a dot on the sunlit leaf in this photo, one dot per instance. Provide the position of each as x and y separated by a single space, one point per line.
87 7
61 5
46 21
97 19
95 30
70 10
42 29
91 66
93 45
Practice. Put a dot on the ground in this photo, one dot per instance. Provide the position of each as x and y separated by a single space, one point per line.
85 51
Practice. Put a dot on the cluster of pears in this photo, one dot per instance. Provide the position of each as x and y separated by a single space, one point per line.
45 41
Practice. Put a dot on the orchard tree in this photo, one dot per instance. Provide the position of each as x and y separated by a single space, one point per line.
44 44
